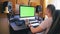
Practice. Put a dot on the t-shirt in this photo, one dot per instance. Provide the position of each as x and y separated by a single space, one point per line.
45 25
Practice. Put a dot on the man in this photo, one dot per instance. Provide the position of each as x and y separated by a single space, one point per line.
45 25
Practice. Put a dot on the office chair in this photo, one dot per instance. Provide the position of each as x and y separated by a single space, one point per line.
55 27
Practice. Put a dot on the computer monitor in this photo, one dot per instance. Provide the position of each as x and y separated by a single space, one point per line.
26 12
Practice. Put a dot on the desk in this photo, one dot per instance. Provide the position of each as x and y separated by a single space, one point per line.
23 31
16 28
4 24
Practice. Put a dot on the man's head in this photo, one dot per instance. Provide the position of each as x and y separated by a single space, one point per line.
50 9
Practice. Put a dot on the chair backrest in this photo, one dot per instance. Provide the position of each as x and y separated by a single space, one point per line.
55 27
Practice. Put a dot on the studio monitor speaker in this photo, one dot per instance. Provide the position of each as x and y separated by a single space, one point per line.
6 7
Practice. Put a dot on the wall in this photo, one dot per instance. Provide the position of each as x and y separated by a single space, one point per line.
43 3
34 2
25 2
54 2
3 0
4 24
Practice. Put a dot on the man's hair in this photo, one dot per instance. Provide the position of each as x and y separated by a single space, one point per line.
51 7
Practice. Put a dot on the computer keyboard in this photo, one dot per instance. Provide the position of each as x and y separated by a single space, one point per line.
33 21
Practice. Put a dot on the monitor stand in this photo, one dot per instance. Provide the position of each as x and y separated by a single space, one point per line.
29 18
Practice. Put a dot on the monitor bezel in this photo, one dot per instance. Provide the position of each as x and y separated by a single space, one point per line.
26 16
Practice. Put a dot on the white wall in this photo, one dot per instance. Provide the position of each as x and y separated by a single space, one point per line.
55 2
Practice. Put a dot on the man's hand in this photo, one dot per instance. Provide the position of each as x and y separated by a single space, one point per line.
27 22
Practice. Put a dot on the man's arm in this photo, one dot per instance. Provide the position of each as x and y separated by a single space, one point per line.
35 30
40 28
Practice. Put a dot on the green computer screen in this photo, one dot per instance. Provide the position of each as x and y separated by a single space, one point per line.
27 11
